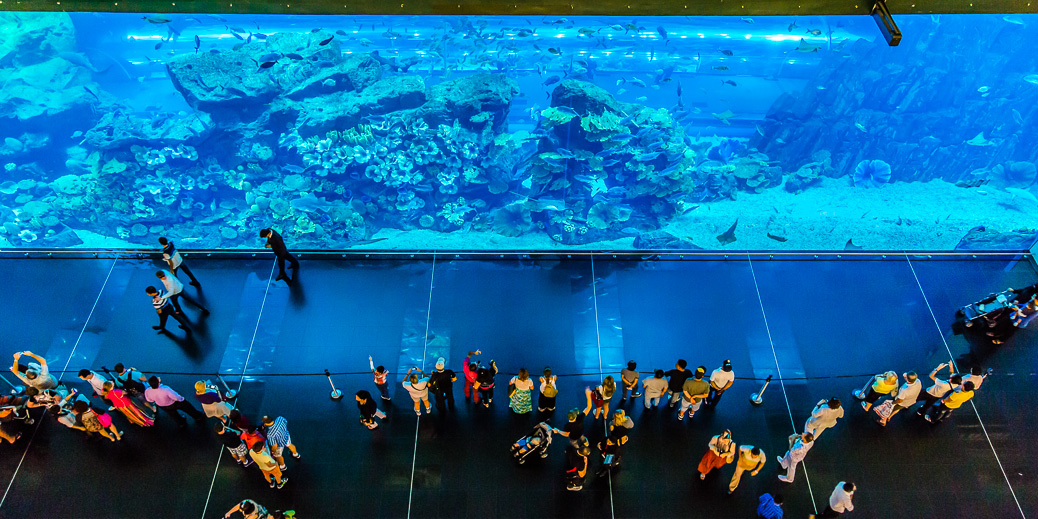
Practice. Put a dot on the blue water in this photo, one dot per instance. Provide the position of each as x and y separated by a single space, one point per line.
517 132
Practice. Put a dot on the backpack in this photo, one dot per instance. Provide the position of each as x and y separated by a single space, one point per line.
549 387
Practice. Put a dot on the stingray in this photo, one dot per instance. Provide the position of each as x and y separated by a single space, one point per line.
729 235
851 246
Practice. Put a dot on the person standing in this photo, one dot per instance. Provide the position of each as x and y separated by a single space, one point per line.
277 244
212 401
574 428
840 500
171 402
381 379
36 374
601 396
132 381
368 410
419 390
231 439
619 433
796 453
249 508
693 391
95 380
655 388
441 385
882 384
906 397
823 416
576 464
677 377
485 383
469 368
278 439
770 507
977 376
750 459
629 381
939 388
953 401
271 472
126 405
720 380
176 263
548 391
165 309
519 399
96 422
720 452
175 289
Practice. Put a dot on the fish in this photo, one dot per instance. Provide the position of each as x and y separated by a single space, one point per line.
746 19
807 47
236 29
861 127
272 56
1022 193
727 53
75 134
318 29
551 80
268 64
1031 78
983 89
792 26
554 51
198 43
721 68
851 246
760 130
728 82
567 111
326 41
776 238
156 19
293 55
1017 118
729 235
621 137
634 81
259 36
292 168
979 140
1015 20
662 32
341 32
240 37
813 32
724 116
159 44
642 99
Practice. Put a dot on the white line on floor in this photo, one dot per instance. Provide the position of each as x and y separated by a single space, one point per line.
779 370
67 362
598 336
418 422
975 411
255 331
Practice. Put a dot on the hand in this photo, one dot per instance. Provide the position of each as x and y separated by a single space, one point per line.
369 357
478 352
754 473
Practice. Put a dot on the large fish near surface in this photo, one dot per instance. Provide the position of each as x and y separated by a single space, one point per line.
311 204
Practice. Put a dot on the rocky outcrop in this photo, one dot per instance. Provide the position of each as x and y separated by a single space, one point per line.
982 238
319 115
662 240
477 102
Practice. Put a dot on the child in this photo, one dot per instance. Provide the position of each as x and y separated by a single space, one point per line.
381 375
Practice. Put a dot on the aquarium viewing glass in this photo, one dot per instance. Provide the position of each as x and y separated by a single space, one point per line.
518 133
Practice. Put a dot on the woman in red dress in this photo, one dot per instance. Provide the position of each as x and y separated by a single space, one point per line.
126 405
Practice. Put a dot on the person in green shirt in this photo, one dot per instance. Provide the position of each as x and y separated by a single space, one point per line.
694 391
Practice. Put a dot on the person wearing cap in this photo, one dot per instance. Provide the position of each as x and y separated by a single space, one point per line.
212 400
823 416
441 385
906 397
720 452
694 390
629 381
720 380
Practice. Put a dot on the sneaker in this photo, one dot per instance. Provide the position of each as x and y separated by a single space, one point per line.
418 412
282 467
681 416
386 399
781 461
283 481
195 284
157 328
865 406
702 476
928 419
280 277
296 455
247 462
635 395
784 479
272 484
428 410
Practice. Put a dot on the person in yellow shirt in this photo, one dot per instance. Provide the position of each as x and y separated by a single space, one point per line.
882 384
750 458
953 401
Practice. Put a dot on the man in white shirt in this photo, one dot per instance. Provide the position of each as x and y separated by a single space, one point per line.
840 500
720 380
95 380
176 263
976 376
175 290
823 416
906 397
36 374
939 387
795 455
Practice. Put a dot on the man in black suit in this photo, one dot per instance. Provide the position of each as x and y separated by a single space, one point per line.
277 244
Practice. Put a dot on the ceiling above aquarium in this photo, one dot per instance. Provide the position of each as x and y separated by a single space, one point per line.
533 7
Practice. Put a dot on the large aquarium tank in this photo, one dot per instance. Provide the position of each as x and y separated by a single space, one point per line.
518 133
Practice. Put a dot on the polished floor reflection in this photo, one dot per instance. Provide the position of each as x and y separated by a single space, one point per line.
821 326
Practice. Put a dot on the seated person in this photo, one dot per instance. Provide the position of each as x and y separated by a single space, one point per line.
1022 315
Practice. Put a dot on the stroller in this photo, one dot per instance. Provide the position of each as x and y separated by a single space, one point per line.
988 310
536 442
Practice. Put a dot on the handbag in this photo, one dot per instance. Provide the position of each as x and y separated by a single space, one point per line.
379 413
884 409
549 388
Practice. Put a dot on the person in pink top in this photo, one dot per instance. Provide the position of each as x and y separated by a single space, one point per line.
126 405
470 367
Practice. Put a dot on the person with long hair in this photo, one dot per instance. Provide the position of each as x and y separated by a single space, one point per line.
601 396
126 405
368 410
521 387
95 422
548 391
720 452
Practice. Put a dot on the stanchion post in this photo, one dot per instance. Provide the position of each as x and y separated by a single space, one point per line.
230 393
758 397
335 394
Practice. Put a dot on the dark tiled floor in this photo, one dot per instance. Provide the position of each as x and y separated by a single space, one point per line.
831 322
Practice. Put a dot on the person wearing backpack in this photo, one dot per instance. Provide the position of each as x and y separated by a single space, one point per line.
485 383
549 390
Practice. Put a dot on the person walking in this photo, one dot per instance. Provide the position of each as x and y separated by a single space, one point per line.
175 262
270 469
548 391
277 244
381 379
601 396
720 380
485 383
133 383
368 410
520 389
655 388
574 428
418 388
677 378
469 368
278 439
95 380
171 402
953 401
751 459
840 500
175 289
823 416
770 507
441 385
693 391
720 452
36 374
96 422
165 309
880 385
629 381
939 388
126 405
231 439
906 397
212 400
799 446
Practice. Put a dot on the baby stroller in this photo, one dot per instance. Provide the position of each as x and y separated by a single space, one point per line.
988 310
536 442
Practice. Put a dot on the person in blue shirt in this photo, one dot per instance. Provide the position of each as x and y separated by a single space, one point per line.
770 507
